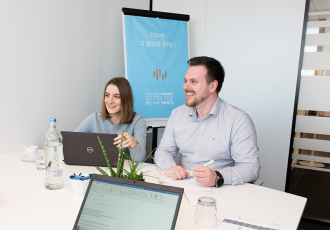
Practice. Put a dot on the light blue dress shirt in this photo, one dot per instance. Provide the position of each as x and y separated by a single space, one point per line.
226 135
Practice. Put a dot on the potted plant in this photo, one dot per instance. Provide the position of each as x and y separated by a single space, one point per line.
134 172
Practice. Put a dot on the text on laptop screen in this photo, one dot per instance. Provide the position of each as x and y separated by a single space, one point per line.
111 205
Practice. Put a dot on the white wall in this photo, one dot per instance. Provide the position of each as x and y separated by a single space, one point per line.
5 108
258 43
55 57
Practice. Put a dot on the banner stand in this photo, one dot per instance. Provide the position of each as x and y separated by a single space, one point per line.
156 48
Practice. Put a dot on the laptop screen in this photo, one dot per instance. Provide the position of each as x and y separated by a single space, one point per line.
112 205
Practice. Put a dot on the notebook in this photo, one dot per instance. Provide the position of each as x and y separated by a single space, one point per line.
121 204
84 149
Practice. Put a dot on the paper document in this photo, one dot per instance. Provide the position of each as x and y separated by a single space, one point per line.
229 224
191 173
193 195
189 184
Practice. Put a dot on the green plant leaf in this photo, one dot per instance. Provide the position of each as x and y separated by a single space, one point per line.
106 157
134 173
120 165
101 171
149 155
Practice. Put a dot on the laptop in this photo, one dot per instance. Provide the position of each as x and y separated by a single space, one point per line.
112 203
84 149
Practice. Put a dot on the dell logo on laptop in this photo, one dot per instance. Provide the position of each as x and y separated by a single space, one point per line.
90 149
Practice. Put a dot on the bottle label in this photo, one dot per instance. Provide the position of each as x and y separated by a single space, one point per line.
55 173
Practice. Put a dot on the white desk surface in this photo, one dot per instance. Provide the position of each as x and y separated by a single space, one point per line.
25 203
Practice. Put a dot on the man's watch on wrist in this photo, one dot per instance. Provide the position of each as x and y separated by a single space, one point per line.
219 180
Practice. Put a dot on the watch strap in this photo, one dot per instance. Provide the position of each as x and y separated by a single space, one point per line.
219 181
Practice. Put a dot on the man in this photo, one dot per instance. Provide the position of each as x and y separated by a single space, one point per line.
208 128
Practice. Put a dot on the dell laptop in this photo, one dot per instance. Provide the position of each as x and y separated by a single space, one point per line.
112 203
84 149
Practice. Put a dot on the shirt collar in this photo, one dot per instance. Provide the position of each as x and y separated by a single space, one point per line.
193 112
214 111
216 107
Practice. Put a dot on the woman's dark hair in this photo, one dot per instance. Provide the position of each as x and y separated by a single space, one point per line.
214 68
127 103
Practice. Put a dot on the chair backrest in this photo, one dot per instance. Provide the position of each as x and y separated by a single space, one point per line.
149 147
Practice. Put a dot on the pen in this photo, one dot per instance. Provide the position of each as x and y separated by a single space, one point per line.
260 221
208 163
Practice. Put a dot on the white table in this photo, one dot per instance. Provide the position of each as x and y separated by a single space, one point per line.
25 203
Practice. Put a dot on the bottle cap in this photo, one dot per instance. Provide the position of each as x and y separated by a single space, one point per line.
52 120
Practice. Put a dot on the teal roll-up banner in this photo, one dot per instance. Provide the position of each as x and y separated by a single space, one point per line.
156 52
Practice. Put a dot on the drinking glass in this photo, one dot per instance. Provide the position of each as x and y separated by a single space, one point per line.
166 176
206 212
39 159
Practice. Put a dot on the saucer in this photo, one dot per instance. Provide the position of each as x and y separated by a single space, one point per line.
24 158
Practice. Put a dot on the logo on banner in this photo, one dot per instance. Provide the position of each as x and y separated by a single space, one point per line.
158 72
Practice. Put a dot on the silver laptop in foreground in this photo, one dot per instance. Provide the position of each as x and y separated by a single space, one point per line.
112 203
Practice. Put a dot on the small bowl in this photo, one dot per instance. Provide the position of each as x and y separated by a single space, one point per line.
79 186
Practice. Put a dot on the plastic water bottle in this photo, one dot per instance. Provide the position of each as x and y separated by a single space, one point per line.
53 147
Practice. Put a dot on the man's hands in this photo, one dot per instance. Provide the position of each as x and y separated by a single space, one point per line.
180 173
205 176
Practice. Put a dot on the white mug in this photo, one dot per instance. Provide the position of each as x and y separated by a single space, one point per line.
30 151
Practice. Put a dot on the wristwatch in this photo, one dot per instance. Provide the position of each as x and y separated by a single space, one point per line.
219 180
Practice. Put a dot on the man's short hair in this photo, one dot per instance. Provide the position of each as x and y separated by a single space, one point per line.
214 68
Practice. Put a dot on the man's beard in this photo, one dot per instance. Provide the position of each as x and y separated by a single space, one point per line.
196 101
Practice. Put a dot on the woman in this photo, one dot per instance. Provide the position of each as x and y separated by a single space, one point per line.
117 114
